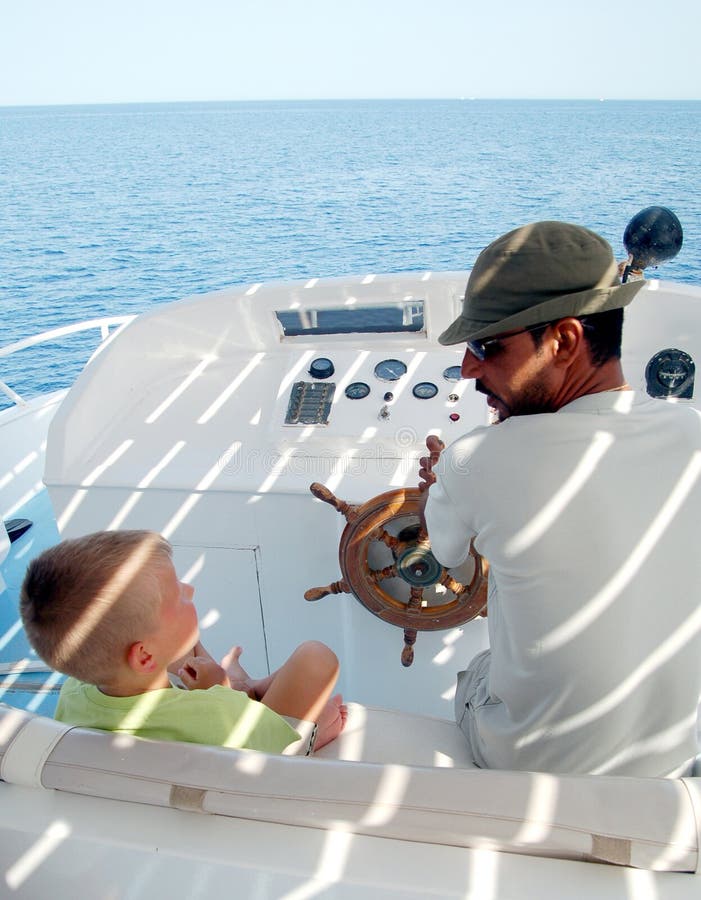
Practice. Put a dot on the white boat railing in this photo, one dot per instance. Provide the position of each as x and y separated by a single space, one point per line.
103 324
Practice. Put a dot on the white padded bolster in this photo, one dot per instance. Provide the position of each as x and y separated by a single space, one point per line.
693 786
29 748
648 823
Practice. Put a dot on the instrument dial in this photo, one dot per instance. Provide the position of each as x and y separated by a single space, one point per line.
424 390
390 370
321 367
452 373
357 390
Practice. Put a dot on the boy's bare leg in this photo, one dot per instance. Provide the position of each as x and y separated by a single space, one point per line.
239 677
302 686
331 722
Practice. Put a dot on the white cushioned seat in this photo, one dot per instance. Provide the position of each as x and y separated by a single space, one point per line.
651 823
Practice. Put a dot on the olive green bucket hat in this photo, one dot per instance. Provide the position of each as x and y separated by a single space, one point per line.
539 273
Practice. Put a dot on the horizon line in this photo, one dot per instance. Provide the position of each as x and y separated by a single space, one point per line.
465 99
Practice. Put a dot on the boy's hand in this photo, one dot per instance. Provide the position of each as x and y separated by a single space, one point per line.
199 673
198 650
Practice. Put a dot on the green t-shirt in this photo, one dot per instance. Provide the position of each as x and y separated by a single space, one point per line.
219 716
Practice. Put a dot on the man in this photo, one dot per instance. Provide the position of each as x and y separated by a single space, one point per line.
586 501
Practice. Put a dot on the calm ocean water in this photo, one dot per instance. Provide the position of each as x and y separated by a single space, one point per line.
111 209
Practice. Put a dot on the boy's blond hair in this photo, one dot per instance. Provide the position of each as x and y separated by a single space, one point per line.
85 601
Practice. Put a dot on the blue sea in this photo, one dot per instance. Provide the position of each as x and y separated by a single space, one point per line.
107 210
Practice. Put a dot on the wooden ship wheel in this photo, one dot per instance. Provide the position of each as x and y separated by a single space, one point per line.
413 565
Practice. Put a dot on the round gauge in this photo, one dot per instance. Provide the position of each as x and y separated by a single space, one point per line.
424 390
452 373
390 369
357 390
321 368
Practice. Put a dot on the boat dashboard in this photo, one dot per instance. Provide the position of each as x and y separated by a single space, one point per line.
225 389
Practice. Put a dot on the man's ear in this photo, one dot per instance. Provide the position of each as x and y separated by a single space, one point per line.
569 335
140 659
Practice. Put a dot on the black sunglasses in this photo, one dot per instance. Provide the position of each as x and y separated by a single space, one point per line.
484 348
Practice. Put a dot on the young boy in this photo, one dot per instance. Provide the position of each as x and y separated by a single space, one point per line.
108 610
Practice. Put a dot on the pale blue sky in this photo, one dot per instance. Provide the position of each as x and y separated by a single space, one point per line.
104 51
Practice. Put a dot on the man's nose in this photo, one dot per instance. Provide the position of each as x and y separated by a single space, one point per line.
471 366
